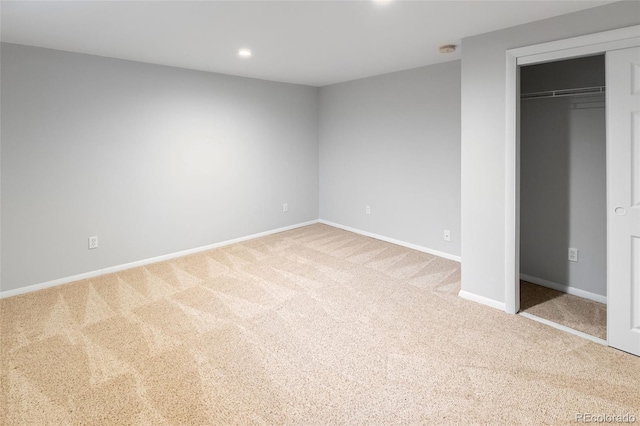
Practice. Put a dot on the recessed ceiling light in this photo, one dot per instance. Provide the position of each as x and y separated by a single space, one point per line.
447 48
244 53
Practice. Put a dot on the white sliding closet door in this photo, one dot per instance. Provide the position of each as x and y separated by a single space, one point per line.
623 199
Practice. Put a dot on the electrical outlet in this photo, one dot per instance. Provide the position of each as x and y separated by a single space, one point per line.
573 254
367 209
447 235
285 207
93 243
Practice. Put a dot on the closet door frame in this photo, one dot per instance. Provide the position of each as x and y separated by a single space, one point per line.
574 47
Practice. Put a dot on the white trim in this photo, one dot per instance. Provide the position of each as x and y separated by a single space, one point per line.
560 49
512 264
118 268
578 51
594 39
565 288
563 328
393 241
482 300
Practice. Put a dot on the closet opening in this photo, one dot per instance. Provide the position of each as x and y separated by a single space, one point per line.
563 194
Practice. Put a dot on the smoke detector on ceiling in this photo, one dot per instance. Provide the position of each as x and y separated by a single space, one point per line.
448 48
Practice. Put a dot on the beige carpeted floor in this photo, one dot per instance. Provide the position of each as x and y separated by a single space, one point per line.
313 326
571 311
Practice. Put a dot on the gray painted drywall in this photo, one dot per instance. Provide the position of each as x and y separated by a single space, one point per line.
568 74
0 167
151 159
393 142
563 191
483 134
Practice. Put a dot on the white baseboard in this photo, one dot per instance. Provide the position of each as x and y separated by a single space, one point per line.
393 241
118 268
483 300
565 288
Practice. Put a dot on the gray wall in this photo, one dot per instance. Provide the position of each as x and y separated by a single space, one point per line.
483 134
563 191
575 73
393 142
151 159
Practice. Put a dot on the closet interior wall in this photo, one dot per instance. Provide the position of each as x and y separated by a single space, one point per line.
562 177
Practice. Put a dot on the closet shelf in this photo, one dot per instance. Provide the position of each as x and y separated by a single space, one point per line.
582 91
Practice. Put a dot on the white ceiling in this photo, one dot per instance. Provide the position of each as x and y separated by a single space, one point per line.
306 42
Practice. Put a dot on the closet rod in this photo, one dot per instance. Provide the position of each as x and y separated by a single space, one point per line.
582 91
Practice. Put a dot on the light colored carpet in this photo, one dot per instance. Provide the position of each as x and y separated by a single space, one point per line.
313 326
571 311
